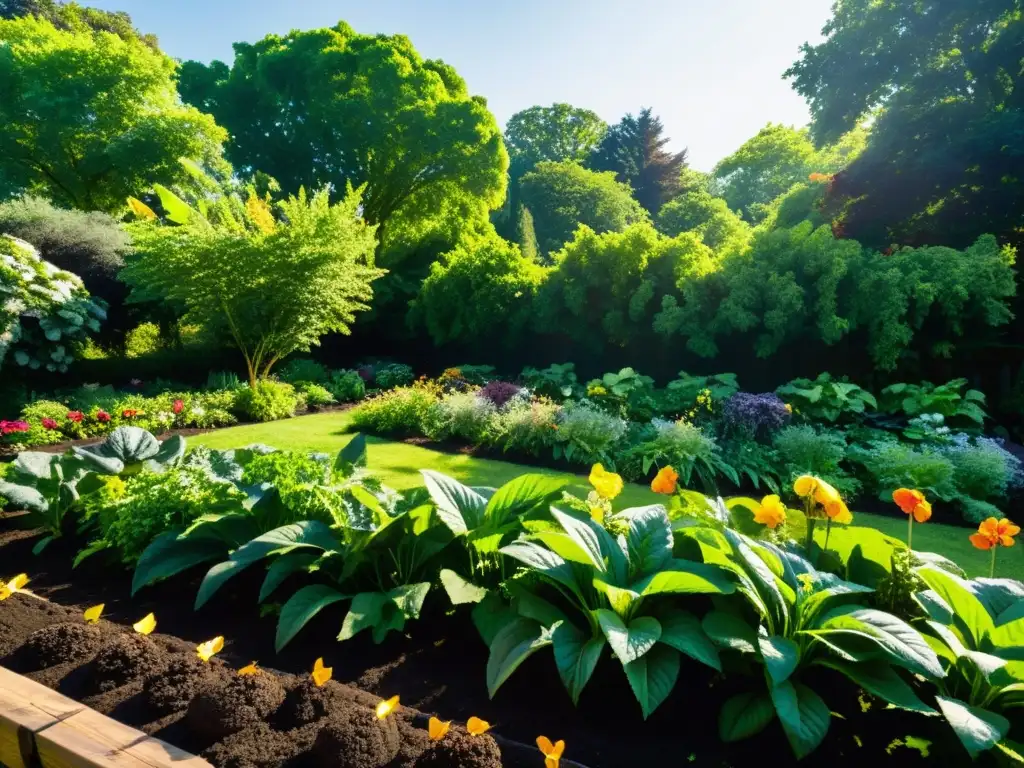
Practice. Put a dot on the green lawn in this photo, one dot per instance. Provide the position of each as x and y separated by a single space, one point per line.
398 465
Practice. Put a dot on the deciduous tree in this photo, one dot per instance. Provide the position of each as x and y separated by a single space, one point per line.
556 133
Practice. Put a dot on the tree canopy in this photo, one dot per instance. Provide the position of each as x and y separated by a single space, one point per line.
563 196
556 133
635 150
90 117
273 286
706 216
333 107
74 17
945 161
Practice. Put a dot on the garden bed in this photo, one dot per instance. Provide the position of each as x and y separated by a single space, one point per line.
436 669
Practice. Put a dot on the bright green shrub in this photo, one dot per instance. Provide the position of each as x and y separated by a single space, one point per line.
892 465
826 399
142 340
267 401
392 375
804 450
483 290
34 413
948 400
346 386
587 434
524 427
557 381
401 411
464 415
315 394
303 369
677 444
981 469
706 216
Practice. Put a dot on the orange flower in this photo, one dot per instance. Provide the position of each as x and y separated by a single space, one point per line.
665 482
994 533
772 512
477 727
552 751
838 512
913 503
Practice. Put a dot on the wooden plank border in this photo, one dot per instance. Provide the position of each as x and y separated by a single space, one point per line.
40 728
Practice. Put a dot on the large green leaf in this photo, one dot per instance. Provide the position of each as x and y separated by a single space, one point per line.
564 545
170 453
727 630
532 606
685 577
409 598
366 612
491 615
619 598
653 676
24 497
880 679
300 608
169 555
576 655
969 615
649 538
515 643
780 655
36 464
744 715
307 533
129 444
459 590
978 729
458 506
544 561
804 716
283 567
630 642
522 495
584 537
901 642
175 208
683 631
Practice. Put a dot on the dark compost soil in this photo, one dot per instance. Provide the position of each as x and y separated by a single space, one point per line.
157 684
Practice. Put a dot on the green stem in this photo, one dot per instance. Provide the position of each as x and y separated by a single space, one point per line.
910 531
828 532
992 567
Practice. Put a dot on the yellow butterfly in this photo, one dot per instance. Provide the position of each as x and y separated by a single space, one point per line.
252 669
476 726
385 708
146 625
552 752
210 648
438 729
92 615
321 674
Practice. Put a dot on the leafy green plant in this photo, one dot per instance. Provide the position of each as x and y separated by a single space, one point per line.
792 619
826 399
525 426
558 381
303 369
982 653
891 465
219 380
681 393
398 411
626 393
267 400
47 486
804 450
392 375
587 434
346 386
316 395
585 591
127 450
143 339
682 446
948 400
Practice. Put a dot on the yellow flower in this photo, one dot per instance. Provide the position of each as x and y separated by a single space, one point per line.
92 615
146 625
476 726
438 729
838 512
824 494
552 752
385 708
607 484
14 585
597 513
321 674
789 408
252 669
210 648
665 482
772 512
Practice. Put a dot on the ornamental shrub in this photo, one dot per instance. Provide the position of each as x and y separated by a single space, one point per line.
524 426
804 450
303 369
38 412
755 415
316 395
267 401
142 340
982 468
667 443
400 411
392 375
891 465
587 434
499 392
346 386
465 415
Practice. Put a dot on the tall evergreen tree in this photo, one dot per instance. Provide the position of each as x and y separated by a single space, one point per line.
635 150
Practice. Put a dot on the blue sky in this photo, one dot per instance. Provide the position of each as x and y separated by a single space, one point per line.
710 68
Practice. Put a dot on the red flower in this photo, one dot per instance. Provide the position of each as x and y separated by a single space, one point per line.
102 416
75 416
178 406
49 423
130 413
9 427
